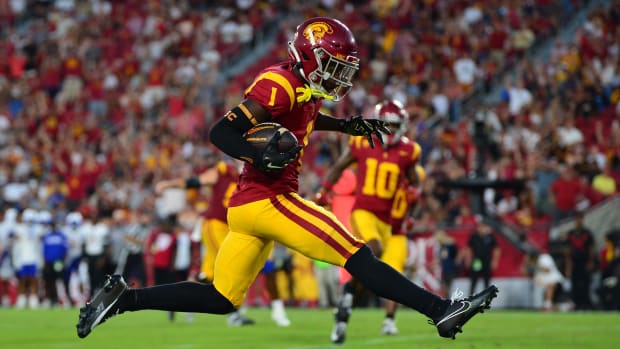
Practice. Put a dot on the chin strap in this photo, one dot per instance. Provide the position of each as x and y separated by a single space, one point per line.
306 93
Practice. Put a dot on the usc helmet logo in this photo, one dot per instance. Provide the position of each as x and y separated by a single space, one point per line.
316 31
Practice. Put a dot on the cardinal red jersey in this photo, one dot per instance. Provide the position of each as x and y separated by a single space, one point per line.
222 191
288 101
379 173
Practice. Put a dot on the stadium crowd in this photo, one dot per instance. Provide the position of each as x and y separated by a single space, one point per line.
99 100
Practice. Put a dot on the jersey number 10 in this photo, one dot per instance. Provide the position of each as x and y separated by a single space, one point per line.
381 179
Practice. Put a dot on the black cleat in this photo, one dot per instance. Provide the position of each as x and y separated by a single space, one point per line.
462 310
102 306
339 332
343 311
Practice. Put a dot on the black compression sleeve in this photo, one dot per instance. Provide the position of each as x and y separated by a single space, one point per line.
227 135
386 282
326 122
181 296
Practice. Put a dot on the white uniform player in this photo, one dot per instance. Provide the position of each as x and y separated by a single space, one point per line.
78 282
27 258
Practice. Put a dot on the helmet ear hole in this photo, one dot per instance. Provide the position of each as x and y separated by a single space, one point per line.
304 56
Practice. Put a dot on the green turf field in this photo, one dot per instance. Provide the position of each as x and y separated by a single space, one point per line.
55 329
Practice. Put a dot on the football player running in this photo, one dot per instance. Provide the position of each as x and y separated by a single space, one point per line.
380 171
265 207
396 249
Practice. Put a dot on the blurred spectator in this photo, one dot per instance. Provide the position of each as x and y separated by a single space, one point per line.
548 278
327 277
55 248
566 192
481 256
7 227
545 173
568 134
135 237
466 219
74 275
450 260
580 263
27 258
607 252
96 251
160 249
609 290
605 182
519 97
465 71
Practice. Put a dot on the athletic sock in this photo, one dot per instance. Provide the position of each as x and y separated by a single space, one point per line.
386 282
184 296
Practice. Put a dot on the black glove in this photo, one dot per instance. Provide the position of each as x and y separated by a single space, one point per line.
271 159
358 126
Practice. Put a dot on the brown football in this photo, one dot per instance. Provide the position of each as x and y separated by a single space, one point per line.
259 136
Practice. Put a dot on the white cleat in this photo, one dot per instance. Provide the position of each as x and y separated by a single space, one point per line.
278 314
281 320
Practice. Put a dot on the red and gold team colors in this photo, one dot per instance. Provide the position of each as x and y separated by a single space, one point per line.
214 226
381 172
284 215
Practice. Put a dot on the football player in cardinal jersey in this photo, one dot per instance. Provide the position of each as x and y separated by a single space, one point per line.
222 179
396 248
380 171
265 207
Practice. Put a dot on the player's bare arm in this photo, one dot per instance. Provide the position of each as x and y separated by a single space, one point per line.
412 176
207 178
345 160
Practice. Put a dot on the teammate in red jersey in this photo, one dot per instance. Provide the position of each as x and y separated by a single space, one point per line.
380 172
396 249
266 207
222 179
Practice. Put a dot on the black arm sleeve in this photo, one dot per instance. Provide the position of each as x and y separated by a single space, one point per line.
325 122
227 135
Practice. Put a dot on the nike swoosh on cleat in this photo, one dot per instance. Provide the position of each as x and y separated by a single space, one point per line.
465 306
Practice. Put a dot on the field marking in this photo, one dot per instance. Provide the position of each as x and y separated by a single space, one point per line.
358 343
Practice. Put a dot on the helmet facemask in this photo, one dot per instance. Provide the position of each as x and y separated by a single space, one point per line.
333 75
325 54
